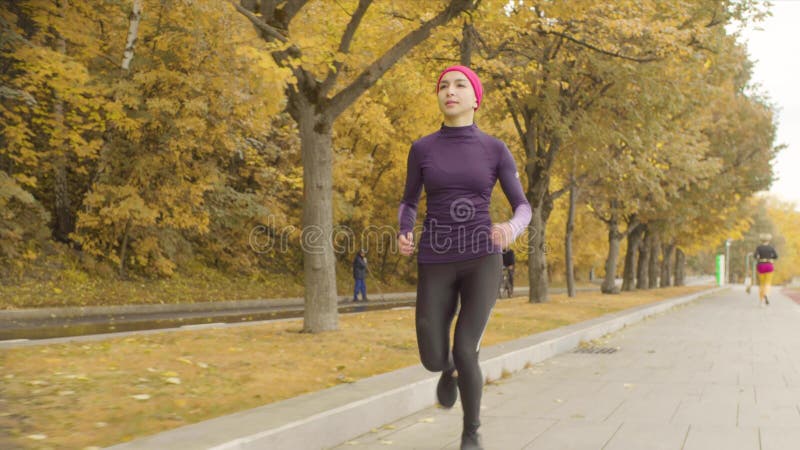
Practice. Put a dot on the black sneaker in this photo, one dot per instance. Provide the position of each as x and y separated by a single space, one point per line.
447 389
471 440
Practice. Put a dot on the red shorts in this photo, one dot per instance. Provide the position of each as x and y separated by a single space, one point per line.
764 267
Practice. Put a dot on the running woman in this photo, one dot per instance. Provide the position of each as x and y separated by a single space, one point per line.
765 255
459 248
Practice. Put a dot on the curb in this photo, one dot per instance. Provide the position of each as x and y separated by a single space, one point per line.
330 417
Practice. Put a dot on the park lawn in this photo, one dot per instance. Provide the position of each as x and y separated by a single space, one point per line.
74 288
85 394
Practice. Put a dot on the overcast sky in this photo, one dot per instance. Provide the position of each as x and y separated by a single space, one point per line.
774 46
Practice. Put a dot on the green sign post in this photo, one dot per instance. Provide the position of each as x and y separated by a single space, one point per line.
720 270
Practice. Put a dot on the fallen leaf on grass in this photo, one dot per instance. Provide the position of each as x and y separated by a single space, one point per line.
173 380
141 396
37 437
345 379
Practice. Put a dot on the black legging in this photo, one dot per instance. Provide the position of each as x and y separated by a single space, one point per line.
439 286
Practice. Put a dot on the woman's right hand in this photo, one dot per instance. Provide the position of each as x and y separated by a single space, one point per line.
405 242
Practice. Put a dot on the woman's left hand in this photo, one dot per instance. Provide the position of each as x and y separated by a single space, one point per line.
502 234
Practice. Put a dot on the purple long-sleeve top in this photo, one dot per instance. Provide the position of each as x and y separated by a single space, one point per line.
458 167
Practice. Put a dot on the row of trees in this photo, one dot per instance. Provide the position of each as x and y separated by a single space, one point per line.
152 133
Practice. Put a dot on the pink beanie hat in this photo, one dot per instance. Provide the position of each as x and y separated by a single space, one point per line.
471 76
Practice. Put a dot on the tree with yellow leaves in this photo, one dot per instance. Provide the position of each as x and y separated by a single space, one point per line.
332 63
552 63
53 115
141 128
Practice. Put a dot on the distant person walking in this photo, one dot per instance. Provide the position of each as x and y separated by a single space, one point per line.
765 256
359 274
459 249
509 259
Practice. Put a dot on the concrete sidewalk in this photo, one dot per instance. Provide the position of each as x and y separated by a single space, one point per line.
718 373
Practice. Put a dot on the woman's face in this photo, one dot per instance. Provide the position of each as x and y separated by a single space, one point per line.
456 96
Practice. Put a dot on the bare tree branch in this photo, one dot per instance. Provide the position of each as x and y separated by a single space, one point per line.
268 7
517 123
556 194
598 49
289 10
344 44
633 224
371 74
397 15
259 23
14 93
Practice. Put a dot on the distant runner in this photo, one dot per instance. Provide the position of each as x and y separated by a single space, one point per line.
765 256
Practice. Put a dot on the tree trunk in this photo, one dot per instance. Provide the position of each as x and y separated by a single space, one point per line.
123 249
614 239
133 34
467 43
655 249
570 267
680 268
64 223
644 261
319 262
629 271
63 218
666 265
541 206
537 256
